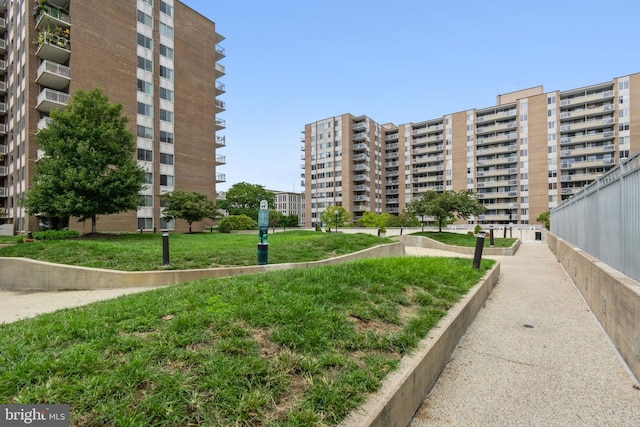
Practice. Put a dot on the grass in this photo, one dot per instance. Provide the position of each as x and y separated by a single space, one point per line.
458 239
143 252
295 348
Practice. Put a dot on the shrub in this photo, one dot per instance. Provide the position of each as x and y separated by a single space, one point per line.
236 222
477 229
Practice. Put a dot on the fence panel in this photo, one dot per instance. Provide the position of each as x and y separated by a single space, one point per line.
604 218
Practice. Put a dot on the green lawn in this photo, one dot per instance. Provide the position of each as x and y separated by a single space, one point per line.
458 239
141 252
295 348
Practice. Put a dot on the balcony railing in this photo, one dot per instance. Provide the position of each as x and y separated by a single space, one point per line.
53 75
50 17
220 123
50 99
220 177
221 141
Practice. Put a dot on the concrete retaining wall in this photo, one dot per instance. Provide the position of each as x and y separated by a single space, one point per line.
26 274
425 242
613 297
404 390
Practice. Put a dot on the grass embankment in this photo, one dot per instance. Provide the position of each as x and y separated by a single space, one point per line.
458 239
298 347
143 252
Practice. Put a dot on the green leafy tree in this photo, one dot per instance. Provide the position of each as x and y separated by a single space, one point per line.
545 219
275 218
329 216
291 220
89 167
380 221
445 207
402 220
236 222
189 206
244 199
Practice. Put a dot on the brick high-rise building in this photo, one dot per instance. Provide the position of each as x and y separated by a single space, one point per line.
158 58
522 156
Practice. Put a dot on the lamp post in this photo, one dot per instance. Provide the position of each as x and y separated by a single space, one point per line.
511 207
336 221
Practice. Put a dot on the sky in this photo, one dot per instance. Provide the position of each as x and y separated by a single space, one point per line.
293 62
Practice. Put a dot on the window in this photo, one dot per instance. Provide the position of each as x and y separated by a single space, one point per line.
524 175
145 41
623 127
166 94
145 155
165 8
551 149
145 223
145 64
145 19
166 159
524 152
145 132
166 137
166 30
144 86
166 180
623 85
145 200
167 73
165 51
149 2
551 100
553 173
145 109
166 116
148 178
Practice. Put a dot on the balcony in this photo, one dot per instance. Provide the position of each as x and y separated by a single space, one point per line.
583 164
361 177
497 172
3 5
221 141
50 17
220 124
3 150
591 137
391 137
3 87
359 157
220 53
3 129
585 112
53 47
583 151
3 45
419 131
360 147
590 124
360 136
221 160
220 177
4 192
359 126
43 123
3 108
220 88
497 161
579 177
3 68
502 137
219 70
502 126
502 149
4 171
53 75
496 115
50 99
220 106
587 98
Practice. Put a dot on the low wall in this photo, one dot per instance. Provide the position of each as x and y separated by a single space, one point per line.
613 297
27 274
404 390
425 242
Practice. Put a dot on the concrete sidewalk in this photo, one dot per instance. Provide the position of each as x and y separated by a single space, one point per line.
535 356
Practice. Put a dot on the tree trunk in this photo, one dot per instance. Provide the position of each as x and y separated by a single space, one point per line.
94 227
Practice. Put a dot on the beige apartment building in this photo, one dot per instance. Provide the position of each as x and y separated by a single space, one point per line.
158 58
522 156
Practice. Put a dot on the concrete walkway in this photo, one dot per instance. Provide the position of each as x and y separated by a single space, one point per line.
535 356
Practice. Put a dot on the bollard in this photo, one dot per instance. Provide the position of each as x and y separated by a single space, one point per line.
491 242
29 235
477 257
505 232
511 231
401 231
165 249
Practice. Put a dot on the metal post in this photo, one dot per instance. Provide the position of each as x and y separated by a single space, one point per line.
422 218
165 249
510 231
477 257
336 221
29 235
491 242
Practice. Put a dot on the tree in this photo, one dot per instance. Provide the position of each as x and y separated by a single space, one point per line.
88 168
545 219
244 199
291 220
329 215
189 206
445 207
370 219
275 218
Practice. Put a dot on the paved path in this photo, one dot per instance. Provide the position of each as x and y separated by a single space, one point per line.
535 356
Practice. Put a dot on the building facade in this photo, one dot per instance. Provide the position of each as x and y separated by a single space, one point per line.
522 156
158 58
288 203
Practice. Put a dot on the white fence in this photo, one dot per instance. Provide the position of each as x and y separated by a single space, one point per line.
604 218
